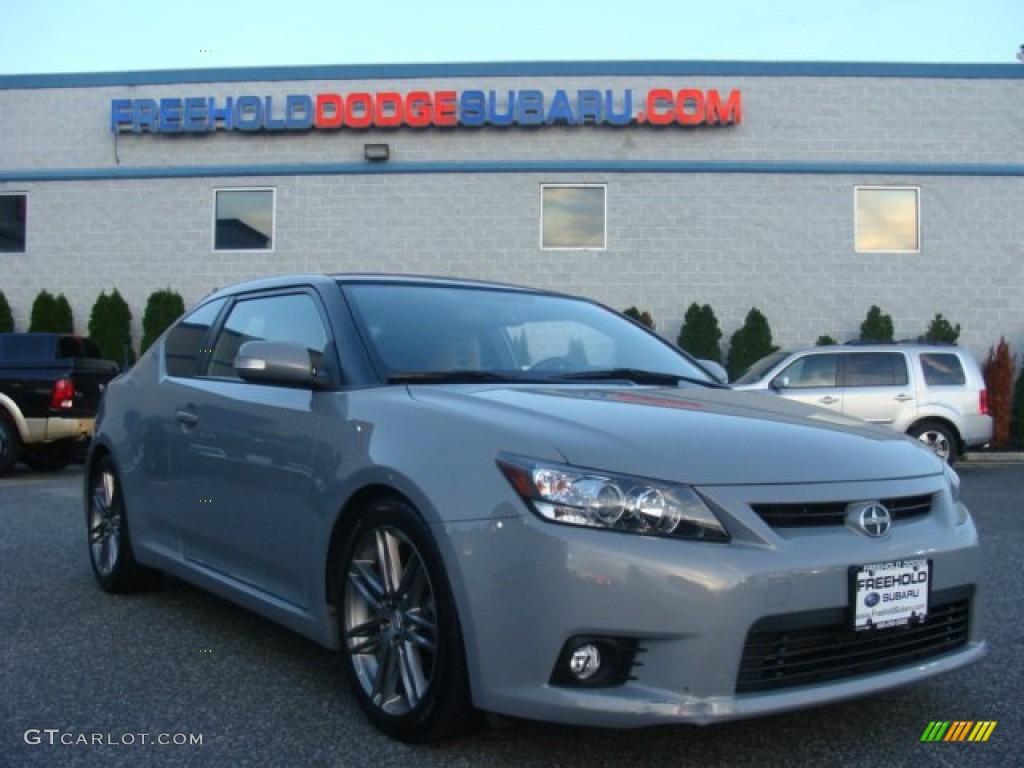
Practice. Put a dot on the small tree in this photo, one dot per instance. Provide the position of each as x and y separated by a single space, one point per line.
941 332
998 372
51 314
825 341
110 327
65 320
6 316
700 334
162 309
641 317
876 326
750 343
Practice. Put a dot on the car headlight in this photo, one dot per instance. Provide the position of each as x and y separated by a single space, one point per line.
573 496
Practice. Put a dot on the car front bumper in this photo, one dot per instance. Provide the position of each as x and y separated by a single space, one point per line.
690 607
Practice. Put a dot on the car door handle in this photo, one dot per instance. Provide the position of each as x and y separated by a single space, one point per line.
902 398
828 400
187 418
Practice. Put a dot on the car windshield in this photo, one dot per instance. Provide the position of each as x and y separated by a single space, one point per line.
428 333
756 371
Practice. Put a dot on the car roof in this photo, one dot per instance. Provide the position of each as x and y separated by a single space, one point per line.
284 281
877 346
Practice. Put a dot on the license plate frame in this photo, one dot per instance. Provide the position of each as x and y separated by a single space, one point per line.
895 593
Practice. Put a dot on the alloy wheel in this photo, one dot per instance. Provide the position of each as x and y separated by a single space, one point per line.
104 523
390 620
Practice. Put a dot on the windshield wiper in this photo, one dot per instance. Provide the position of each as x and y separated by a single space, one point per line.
451 377
634 375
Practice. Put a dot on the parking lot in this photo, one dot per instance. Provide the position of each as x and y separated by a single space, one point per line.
179 677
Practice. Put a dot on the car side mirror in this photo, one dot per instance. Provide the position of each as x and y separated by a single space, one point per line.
716 369
275 362
780 382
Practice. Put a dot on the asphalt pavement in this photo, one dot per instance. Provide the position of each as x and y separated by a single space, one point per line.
181 678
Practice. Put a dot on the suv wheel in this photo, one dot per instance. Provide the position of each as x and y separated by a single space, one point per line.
938 437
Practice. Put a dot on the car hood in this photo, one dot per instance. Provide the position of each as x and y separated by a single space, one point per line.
694 435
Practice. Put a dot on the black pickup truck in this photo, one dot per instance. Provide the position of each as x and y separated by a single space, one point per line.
50 388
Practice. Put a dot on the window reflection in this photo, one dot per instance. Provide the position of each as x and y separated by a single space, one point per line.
887 219
245 220
573 216
13 209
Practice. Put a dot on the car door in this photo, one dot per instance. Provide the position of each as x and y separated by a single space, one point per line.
812 378
156 462
251 505
877 388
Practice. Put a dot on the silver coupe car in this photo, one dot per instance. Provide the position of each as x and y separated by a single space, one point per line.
499 499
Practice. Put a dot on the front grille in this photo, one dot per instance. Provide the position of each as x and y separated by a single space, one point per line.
834 512
815 647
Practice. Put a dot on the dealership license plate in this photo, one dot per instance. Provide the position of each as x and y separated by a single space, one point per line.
890 594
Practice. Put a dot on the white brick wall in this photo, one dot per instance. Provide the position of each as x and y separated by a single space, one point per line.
782 242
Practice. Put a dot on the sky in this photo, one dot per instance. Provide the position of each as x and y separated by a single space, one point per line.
51 36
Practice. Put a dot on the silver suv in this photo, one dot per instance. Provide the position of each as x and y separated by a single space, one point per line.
934 392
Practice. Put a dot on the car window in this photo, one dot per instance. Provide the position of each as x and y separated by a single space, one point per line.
76 346
415 329
875 369
810 371
584 346
292 318
183 346
942 370
756 371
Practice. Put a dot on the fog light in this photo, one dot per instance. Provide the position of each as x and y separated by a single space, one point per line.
592 661
585 661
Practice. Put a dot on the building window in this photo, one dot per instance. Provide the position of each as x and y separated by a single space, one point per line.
888 219
13 212
573 216
244 220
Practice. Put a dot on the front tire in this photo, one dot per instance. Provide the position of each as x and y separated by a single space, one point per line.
110 543
401 640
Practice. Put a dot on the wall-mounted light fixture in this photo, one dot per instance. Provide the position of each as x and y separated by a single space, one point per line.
376 153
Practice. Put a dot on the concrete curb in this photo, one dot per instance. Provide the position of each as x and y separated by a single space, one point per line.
997 457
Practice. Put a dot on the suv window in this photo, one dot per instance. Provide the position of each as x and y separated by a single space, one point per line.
810 371
875 369
183 344
942 370
292 317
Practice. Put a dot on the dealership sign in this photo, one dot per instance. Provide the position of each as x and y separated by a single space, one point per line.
423 109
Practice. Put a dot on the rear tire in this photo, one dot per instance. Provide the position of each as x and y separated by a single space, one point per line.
50 457
939 438
401 639
110 542
10 446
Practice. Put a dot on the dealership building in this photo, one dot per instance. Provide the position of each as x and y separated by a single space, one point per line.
811 191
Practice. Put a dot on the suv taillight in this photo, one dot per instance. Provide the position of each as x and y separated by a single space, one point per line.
983 402
63 395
